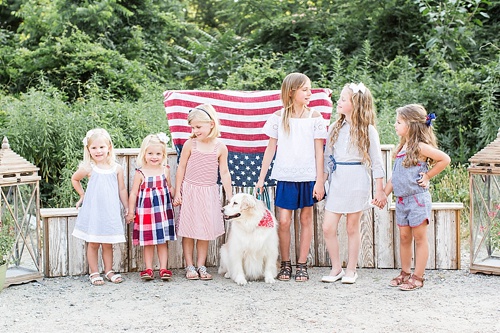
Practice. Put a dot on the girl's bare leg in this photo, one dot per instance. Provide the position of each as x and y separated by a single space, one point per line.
353 242
330 227
284 235
306 233
162 250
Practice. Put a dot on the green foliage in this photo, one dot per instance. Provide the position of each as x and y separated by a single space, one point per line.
6 241
48 132
452 185
453 26
256 74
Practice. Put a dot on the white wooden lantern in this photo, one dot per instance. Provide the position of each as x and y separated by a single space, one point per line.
20 208
484 222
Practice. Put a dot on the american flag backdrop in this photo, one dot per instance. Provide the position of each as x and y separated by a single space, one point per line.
242 116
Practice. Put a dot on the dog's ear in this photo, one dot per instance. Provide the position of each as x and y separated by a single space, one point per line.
247 202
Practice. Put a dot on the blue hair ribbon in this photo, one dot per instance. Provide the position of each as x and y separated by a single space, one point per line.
430 117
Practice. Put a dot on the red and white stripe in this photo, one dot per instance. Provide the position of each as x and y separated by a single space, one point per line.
242 114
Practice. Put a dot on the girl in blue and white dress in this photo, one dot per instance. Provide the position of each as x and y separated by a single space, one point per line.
296 134
100 220
352 151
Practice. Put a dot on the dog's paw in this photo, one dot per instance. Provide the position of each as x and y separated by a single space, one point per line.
227 275
269 279
240 280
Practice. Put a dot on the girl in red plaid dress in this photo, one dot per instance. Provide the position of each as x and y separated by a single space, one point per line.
150 199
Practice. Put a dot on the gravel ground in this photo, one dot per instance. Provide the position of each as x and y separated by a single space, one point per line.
451 301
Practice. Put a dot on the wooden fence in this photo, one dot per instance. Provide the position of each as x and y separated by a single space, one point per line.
66 255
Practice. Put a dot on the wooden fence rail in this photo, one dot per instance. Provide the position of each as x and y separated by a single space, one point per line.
66 255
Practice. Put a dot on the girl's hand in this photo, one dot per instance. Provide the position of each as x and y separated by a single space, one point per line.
319 191
177 200
424 180
380 199
259 188
129 218
79 202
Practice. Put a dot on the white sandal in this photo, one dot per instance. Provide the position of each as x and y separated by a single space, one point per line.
96 279
116 278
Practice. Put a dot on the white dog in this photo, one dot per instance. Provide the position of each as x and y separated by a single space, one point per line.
251 249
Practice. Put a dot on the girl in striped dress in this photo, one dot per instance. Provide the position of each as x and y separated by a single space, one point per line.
203 157
151 201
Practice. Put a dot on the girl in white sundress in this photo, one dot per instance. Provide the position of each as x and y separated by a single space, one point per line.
196 190
100 221
151 202
352 151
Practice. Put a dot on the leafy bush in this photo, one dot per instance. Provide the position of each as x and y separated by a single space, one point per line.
48 132
452 185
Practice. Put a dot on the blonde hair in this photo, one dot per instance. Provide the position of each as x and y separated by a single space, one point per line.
205 113
291 83
419 130
159 139
90 137
363 115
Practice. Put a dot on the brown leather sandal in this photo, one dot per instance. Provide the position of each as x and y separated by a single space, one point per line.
410 284
400 279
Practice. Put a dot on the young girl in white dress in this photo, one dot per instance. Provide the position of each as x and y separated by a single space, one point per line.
100 220
352 151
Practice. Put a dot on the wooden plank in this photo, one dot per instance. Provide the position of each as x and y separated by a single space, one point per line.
319 239
396 241
431 238
447 253
343 242
366 256
383 229
77 251
57 243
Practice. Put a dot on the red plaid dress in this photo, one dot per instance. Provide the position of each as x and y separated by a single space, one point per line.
154 216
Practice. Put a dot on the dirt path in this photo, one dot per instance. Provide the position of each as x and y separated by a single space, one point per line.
451 301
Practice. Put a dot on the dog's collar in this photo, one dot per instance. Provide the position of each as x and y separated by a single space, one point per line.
267 220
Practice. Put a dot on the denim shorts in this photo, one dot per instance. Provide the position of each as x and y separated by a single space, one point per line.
294 195
413 210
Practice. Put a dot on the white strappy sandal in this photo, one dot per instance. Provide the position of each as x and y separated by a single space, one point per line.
116 278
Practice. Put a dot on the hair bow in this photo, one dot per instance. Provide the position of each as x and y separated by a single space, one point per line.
430 117
87 137
357 88
163 137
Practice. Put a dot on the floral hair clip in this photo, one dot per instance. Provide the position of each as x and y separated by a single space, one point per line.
87 137
430 117
163 137
357 88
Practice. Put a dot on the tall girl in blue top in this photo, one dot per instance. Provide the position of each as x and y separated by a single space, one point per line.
352 149
416 151
296 134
